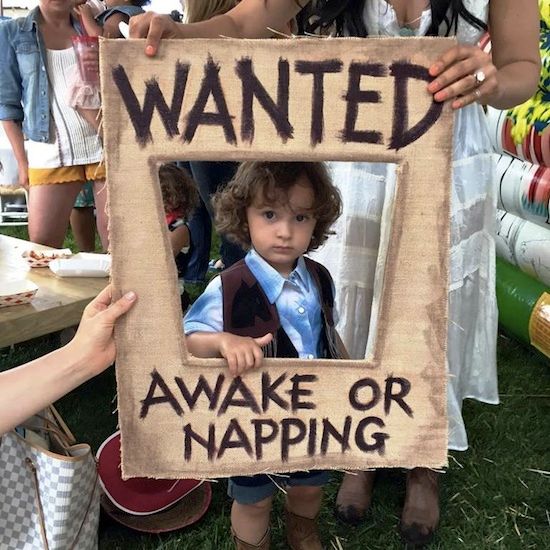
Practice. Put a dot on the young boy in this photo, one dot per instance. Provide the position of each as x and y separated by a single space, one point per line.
274 303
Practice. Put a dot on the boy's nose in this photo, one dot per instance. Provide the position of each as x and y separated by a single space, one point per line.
283 229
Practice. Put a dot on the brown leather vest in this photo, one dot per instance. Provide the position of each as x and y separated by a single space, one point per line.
248 312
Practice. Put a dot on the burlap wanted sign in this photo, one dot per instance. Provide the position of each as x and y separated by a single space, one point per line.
307 99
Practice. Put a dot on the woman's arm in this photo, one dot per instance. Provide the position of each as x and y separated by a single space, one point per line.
27 389
509 76
179 238
14 134
249 19
514 27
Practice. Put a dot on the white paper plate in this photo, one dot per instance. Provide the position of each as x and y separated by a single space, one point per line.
16 293
84 264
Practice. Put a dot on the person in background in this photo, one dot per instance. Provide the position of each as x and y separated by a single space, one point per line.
467 78
179 197
201 10
98 19
83 219
209 176
105 23
63 150
29 388
279 211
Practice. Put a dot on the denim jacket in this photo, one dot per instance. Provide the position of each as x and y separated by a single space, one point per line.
24 89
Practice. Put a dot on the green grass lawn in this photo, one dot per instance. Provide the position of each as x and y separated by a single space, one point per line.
495 495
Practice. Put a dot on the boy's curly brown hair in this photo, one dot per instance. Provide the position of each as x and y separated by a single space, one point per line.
269 182
179 192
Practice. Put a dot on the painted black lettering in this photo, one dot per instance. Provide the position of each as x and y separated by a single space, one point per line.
353 395
260 438
202 386
248 400
318 69
269 392
154 98
157 381
398 397
312 437
210 86
379 437
286 440
208 444
401 134
296 392
342 438
241 440
355 96
253 88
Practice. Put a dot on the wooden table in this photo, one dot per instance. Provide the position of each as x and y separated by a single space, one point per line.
58 304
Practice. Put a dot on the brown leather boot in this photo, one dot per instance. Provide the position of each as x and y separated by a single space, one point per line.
420 515
354 497
302 533
262 545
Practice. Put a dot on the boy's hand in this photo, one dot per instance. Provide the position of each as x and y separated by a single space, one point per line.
242 352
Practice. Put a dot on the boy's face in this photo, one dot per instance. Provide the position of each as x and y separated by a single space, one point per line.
281 231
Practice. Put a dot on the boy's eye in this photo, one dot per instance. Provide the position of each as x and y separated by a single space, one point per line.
269 214
302 217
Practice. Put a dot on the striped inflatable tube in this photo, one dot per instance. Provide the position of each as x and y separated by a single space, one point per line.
524 244
524 189
535 148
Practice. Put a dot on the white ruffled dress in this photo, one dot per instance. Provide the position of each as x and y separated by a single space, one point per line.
351 254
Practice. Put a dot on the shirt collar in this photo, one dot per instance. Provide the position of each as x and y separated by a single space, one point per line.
272 281
31 21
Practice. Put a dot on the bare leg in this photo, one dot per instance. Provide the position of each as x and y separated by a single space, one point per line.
302 507
83 226
102 220
250 522
49 211
354 496
420 515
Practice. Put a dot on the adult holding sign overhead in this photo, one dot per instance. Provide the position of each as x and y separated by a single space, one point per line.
466 77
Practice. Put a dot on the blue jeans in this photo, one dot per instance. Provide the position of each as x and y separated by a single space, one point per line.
253 489
200 231
209 177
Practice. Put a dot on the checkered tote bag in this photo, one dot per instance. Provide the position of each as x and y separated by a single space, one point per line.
49 499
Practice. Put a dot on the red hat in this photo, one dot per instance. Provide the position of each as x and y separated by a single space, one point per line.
145 504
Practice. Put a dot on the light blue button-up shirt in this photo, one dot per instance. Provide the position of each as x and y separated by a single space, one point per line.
296 299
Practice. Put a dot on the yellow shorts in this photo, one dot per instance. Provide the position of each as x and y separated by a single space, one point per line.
67 174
